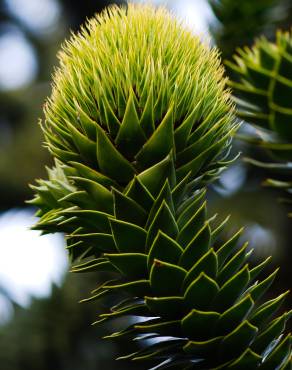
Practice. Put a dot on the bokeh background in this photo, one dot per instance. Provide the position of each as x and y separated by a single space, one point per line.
42 326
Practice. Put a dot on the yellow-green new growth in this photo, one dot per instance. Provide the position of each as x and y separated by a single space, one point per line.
133 86
139 118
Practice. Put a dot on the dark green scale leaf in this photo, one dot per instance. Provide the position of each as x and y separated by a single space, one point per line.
80 199
216 167
81 251
199 325
237 341
273 331
183 103
99 292
129 331
85 146
88 124
233 265
112 122
202 349
49 222
196 248
137 288
254 272
154 177
127 302
142 337
128 237
166 279
194 196
183 131
159 144
98 241
206 120
164 195
166 307
100 195
94 266
128 210
59 142
79 244
95 220
130 137
228 248
101 286
91 174
231 290
280 354
64 155
171 328
165 249
217 231
132 265
95 297
139 193
163 221
201 293
134 310
180 190
48 197
248 360
193 214
267 310
259 289
158 350
211 152
110 161
232 317
199 146
65 223
63 138
207 263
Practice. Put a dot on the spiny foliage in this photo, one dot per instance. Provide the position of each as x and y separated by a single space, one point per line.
198 296
133 86
262 82
135 133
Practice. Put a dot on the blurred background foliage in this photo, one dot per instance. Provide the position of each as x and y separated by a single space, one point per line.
55 332
238 23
